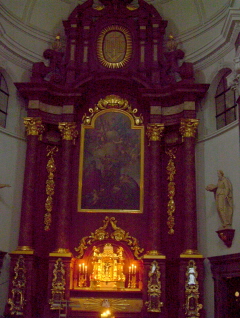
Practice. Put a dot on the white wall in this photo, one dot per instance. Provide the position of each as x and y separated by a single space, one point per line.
216 150
12 158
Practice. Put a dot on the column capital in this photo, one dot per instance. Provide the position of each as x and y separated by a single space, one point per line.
155 131
34 126
188 127
68 130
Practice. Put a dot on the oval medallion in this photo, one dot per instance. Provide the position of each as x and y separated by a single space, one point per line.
114 47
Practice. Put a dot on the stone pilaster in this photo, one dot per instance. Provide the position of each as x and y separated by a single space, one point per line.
69 134
154 133
34 129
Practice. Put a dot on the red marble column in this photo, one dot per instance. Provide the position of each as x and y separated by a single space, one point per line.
154 133
188 130
34 129
69 133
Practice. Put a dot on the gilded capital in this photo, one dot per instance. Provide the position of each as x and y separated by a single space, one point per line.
188 127
155 131
68 131
34 126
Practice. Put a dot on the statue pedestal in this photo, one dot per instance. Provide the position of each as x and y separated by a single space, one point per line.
226 235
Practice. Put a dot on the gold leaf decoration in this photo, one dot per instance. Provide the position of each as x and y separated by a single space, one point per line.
117 234
50 185
171 171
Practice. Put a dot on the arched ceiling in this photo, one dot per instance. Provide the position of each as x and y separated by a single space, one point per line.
195 23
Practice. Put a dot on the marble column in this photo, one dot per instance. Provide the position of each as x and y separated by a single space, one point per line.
34 129
154 133
69 134
188 130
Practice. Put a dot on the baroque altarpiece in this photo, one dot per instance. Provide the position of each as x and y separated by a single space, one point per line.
108 223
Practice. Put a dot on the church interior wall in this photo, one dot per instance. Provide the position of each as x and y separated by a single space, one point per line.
12 154
215 149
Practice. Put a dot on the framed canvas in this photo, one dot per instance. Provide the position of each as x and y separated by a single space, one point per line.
111 163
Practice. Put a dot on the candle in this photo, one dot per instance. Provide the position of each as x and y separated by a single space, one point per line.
135 269
130 268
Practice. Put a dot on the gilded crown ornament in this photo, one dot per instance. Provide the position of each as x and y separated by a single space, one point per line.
155 131
34 126
188 127
68 131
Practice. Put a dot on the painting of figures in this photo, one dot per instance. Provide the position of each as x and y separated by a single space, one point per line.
111 164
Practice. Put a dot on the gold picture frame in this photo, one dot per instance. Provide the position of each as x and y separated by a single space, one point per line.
111 163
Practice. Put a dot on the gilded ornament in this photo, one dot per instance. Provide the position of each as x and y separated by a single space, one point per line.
18 301
57 44
171 44
50 185
192 306
58 284
116 304
34 126
114 46
154 289
188 127
68 131
191 253
155 132
115 102
117 234
171 171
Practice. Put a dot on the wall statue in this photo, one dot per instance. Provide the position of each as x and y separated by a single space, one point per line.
224 199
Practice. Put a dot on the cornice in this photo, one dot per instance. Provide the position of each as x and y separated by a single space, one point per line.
10 134
205 26
219 132
223 44
29 30
17 57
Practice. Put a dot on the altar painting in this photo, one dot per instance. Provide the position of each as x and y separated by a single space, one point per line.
111 164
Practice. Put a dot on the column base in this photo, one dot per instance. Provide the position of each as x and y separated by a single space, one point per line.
24 250
190 253
61 252
154 254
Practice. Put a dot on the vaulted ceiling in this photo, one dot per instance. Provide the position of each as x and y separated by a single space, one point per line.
199 25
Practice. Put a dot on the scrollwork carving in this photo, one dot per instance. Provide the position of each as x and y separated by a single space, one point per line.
112 101
171 171
18 301
50 185
118 234
58 284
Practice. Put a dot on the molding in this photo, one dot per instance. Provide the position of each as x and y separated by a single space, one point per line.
204 27
15 57
29 30
222 45
219 132
10 134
